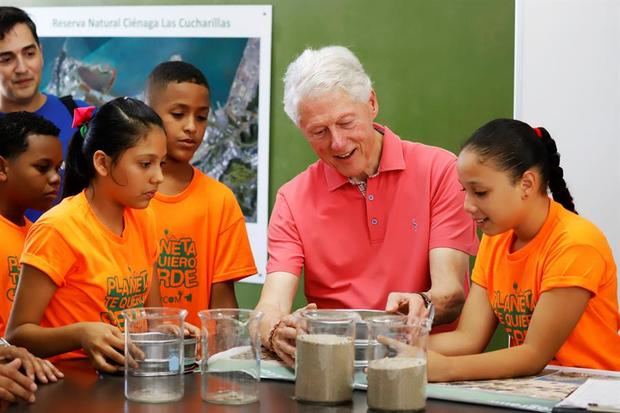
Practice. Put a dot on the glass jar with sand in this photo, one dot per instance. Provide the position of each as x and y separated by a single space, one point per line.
324 361
397 363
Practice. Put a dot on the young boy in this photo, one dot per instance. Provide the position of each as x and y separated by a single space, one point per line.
203 242
30 158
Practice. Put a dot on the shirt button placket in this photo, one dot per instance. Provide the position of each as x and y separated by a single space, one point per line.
375 212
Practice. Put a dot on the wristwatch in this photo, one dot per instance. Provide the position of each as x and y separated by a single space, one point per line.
4 343
426 298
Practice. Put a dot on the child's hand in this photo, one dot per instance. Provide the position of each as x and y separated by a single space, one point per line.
191 330
14 384
402 349
104 344
34 367
437 365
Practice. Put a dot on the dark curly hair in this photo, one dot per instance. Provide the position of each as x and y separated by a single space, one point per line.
15 127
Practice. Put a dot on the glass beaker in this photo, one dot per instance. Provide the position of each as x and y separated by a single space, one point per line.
230 364
154 354
324 357
397 362
190 352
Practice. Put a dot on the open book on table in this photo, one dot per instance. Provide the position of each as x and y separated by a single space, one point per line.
538 393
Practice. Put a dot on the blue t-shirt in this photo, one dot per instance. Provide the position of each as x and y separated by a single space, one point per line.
56 112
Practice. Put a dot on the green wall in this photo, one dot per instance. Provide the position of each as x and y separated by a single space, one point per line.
440 68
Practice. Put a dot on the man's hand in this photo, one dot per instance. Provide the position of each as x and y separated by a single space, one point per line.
411 304
285 334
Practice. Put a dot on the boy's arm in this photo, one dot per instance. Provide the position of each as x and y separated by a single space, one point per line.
551 324
233 255
223 295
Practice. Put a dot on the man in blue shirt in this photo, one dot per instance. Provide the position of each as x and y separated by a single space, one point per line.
21 66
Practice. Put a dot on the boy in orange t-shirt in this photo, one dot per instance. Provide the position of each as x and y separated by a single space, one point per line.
203 243
30 157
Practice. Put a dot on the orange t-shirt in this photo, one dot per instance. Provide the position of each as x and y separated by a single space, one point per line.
568 251
97 273
11 247
202 240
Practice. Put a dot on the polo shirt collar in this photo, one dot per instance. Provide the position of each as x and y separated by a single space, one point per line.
392 159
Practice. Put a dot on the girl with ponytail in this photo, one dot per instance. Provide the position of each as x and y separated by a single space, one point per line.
543 273
92 255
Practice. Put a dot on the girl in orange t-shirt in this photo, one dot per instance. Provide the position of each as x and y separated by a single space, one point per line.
543 272
92 255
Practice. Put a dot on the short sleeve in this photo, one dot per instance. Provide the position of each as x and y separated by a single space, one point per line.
47 250
451 227
574 266
284 247
480 273
233 254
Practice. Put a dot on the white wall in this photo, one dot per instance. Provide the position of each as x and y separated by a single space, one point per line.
567 79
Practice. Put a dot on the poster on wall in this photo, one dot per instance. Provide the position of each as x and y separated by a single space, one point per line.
99 53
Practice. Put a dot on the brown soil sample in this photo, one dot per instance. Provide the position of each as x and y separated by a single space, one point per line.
397 384
324 368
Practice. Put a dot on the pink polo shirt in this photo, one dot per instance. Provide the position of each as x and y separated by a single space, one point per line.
356 250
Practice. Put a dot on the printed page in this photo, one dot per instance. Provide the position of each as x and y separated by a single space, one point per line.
595 394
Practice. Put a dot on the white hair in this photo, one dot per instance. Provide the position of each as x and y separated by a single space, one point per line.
324 70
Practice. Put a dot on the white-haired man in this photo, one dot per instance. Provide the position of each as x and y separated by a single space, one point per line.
375 223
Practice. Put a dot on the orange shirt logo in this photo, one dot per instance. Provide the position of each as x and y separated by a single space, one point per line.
13 264
176 267
122 293
514 312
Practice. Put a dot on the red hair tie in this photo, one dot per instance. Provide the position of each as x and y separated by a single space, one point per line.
538 132
82 115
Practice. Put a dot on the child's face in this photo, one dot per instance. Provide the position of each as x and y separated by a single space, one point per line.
137 173
184 108
32 177
494 201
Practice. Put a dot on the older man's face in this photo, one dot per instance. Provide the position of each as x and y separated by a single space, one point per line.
340 131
